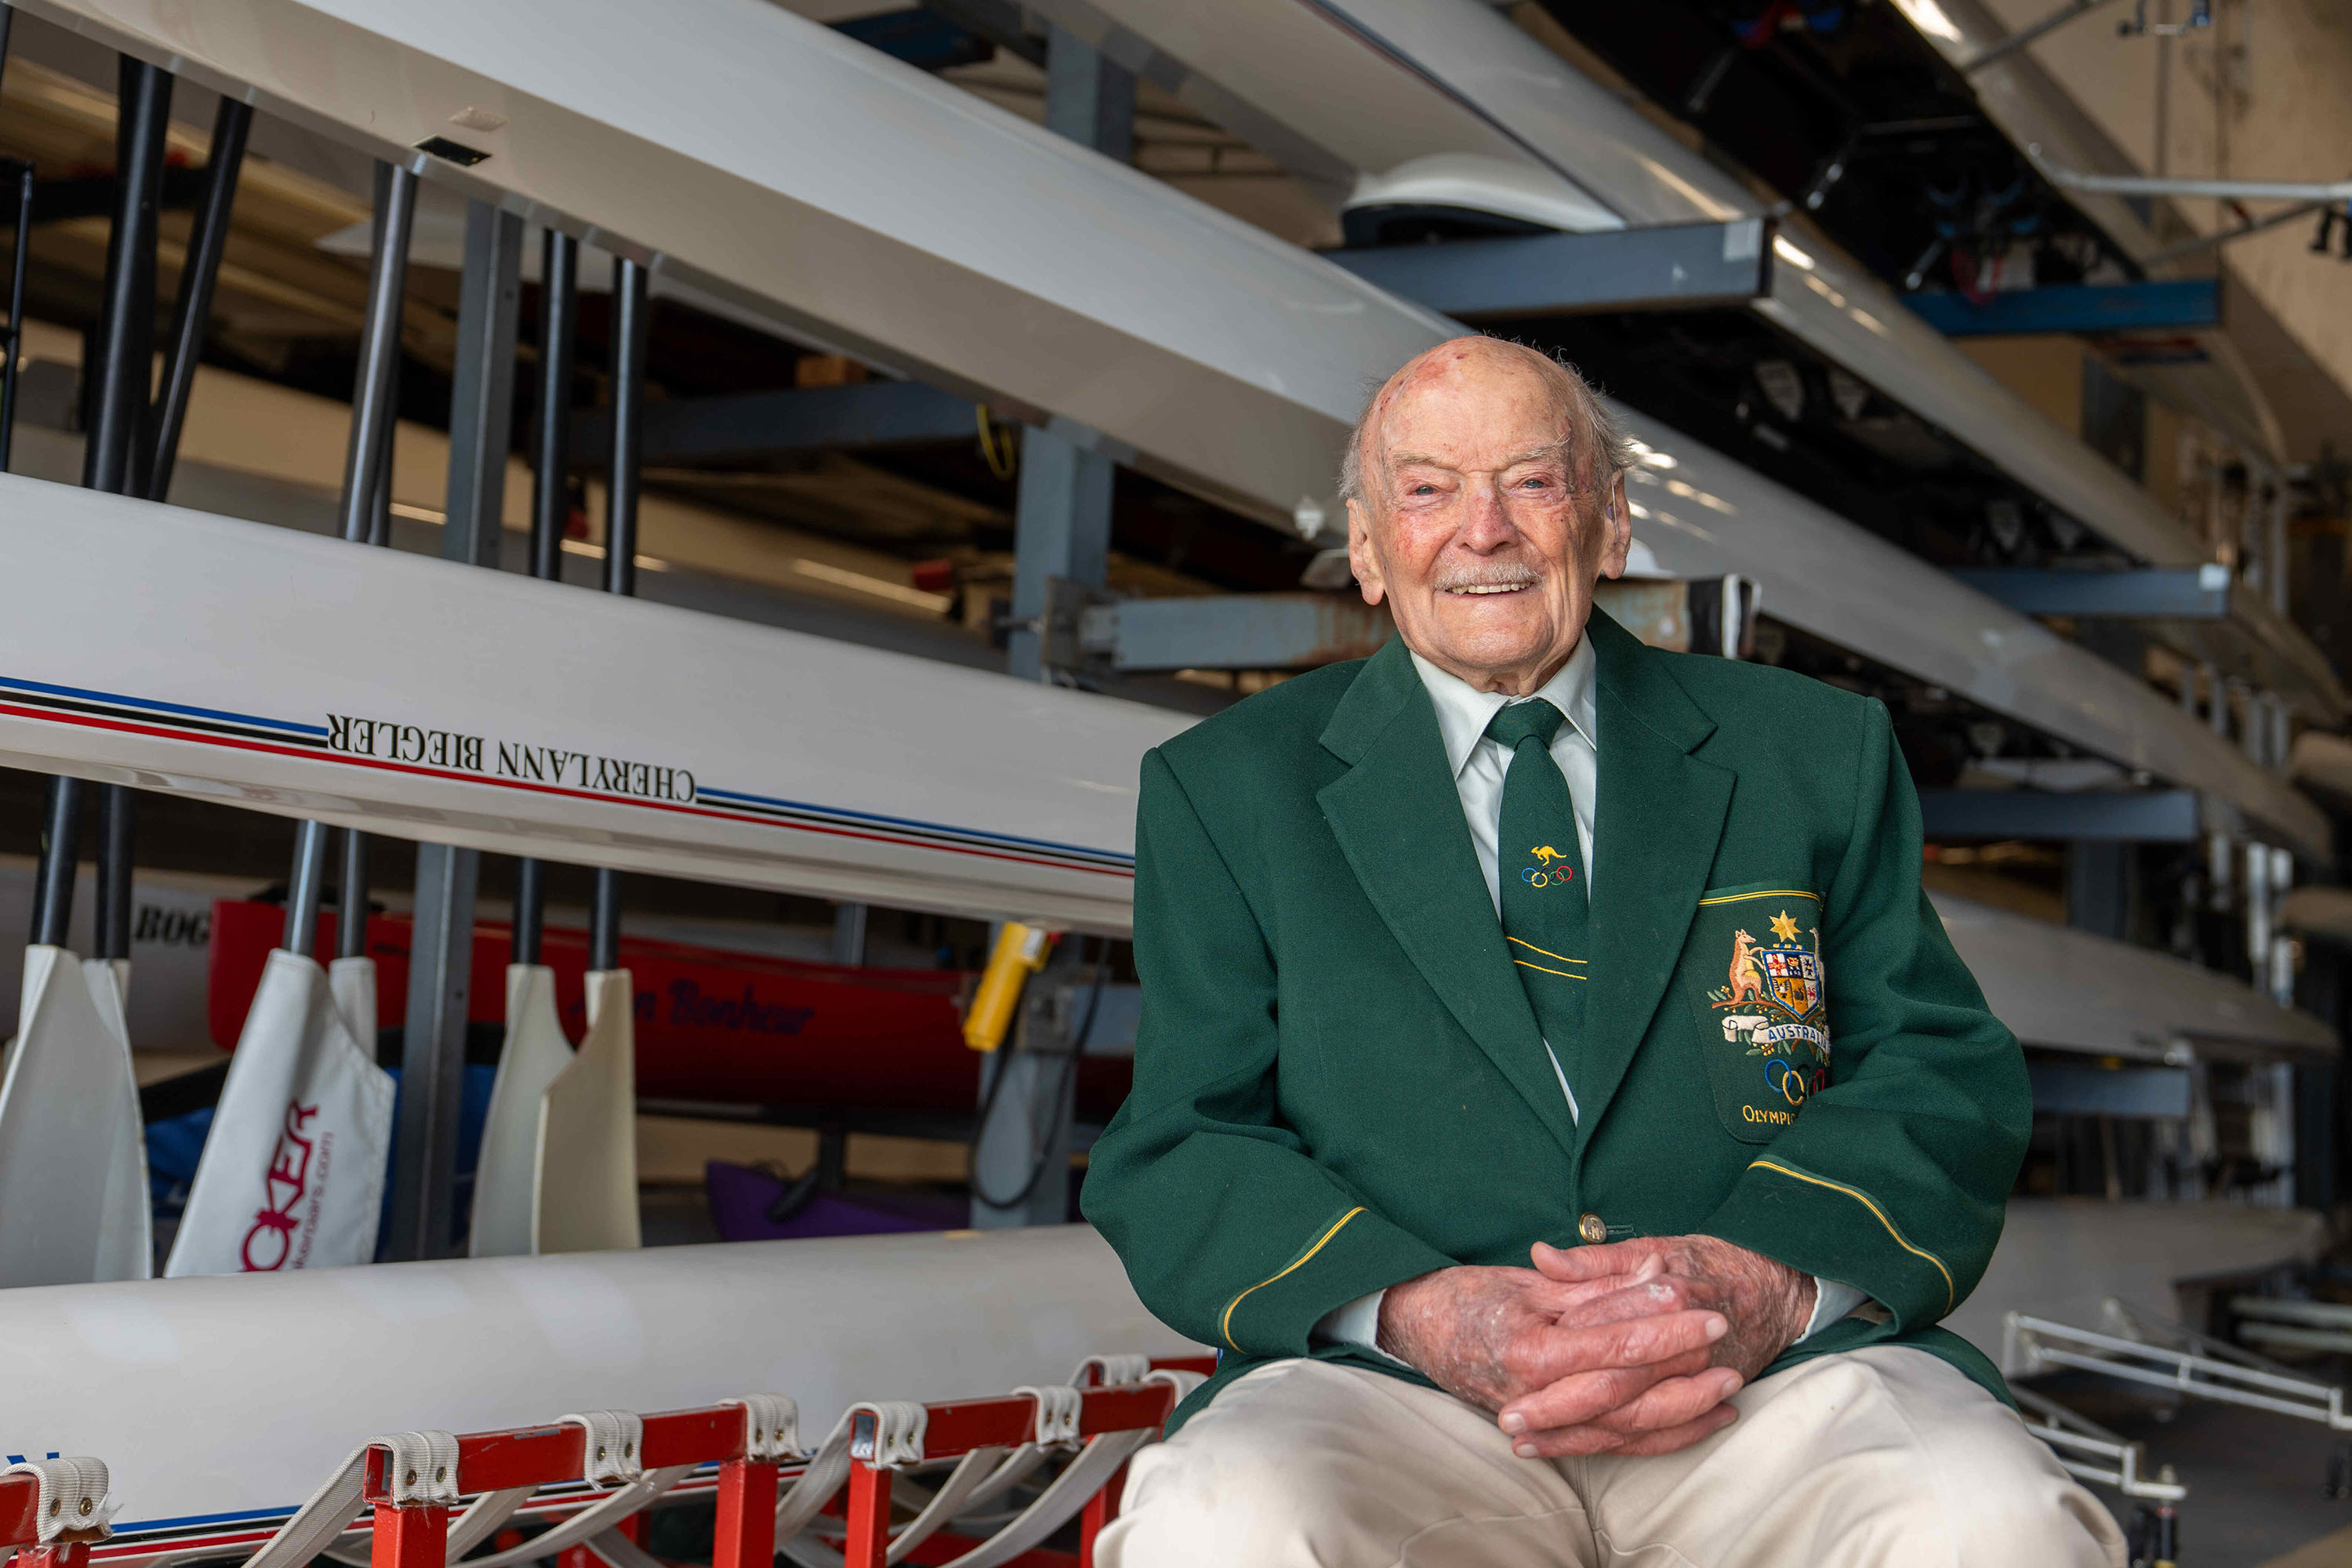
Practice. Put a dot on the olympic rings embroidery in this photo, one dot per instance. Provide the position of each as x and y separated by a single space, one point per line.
1791 1081
1535 878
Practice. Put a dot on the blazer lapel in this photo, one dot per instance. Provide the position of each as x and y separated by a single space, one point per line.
1653 841
1398 818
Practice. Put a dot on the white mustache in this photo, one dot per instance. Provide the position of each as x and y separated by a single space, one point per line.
1497 575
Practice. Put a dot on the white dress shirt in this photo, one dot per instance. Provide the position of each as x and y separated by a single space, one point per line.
1479 765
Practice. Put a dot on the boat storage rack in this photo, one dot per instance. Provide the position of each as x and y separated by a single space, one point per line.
2158 1354
426 1499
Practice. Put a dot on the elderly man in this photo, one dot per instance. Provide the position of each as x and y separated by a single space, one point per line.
1555 1098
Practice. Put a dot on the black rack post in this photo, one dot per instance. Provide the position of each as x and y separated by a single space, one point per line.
193 311
550 505
630 307
22 250
441 942
125 348
374 389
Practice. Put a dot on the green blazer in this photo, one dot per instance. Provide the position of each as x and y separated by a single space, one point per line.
1339 1084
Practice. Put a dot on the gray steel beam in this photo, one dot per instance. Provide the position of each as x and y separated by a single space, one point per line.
755 425
440 975
849 935
2170 592
1088 99
2102 886
1301 631
1022 1153
1235 631
2143 817
1061 532
2068 1090
1021 1144
1678 267
481 397
1062 520
433 1053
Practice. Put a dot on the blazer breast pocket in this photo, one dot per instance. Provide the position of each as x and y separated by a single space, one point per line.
1763 1016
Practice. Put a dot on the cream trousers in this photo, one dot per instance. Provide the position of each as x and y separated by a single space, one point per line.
1884 1455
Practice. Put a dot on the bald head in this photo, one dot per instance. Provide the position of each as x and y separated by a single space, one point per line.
1597 442
1485 495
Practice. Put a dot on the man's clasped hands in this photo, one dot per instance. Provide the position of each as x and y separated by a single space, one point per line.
1632 1347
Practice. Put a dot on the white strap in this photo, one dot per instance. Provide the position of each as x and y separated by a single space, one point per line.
598 1517
619 1550
827 1467
326 1515
1015 1470
897 1440
1111 1370
73 1497
945 1503
483 1520
610 1448
1058 1408
1179 1379
1070 1490
771 1426
421 1468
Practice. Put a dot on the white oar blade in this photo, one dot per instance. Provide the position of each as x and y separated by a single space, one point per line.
506 1178
127 1241
73 1167
293 1171
586 1199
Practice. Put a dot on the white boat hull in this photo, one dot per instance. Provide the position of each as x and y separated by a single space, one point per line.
219 1404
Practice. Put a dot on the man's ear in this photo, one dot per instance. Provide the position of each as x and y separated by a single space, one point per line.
1360 558
1617 529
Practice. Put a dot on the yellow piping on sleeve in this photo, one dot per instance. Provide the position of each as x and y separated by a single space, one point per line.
1951 1294
1767 893
1226 1323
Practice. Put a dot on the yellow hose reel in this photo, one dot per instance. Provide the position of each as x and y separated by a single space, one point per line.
1020 953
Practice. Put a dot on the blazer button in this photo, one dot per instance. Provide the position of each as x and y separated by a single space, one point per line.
1592 1229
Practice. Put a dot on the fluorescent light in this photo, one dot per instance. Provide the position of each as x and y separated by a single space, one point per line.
1790 253
571 546
880 587
1929 18
597 552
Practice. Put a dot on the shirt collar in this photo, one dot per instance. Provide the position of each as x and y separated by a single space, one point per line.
1464 711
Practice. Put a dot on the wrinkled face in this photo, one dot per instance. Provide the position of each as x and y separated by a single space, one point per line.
1476 525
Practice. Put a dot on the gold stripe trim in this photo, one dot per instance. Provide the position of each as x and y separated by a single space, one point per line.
1548 952
1767 893
1951 1295
1226 1323
1540 969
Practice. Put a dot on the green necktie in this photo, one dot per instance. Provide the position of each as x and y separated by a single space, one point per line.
1542 873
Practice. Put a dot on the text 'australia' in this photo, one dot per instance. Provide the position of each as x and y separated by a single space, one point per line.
554 765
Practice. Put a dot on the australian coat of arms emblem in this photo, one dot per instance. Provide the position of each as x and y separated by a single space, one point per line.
1771 1004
